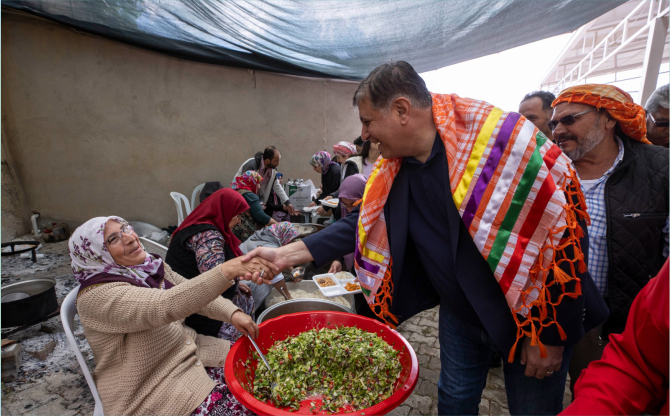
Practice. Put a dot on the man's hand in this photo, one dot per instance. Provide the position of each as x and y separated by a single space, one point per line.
283 257
335 267
312 204
243 323
321 211
327 198
249 270
540 367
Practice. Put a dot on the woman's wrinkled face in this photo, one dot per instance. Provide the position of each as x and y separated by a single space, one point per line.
317 169
123 244
258 188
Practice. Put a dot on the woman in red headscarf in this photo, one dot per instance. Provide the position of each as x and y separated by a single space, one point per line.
205 240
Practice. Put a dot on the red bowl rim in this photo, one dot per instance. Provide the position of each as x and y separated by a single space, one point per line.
385 406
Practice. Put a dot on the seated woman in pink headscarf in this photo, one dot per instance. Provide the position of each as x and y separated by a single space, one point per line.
132 307
350 164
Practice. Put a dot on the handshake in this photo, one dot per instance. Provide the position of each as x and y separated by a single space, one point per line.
262 264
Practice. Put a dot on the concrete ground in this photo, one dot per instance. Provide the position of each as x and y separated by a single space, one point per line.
56 385
421 332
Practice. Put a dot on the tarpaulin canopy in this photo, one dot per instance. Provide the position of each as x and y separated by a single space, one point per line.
334 39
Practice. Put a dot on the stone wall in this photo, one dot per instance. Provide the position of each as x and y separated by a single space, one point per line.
97 127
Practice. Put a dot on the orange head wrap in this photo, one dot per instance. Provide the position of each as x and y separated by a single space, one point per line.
618 103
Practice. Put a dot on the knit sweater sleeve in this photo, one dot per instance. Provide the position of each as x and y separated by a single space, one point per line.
120 307
220 308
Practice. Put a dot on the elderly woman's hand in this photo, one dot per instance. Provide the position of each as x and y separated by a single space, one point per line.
250 270
243 323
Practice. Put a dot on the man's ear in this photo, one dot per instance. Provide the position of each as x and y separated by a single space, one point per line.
402 108
610 124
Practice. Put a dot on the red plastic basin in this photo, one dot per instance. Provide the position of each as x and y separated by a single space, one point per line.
284 326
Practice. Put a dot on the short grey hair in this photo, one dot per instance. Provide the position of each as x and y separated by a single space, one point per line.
390 81
658 99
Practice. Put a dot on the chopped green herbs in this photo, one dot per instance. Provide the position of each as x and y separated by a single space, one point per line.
347 366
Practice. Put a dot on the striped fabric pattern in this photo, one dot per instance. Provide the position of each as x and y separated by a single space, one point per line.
506 181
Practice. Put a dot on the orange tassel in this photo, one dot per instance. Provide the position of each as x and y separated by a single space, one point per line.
582 265
533 335
561 332
543 349
560 276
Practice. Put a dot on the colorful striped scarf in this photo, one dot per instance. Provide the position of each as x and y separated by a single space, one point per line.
509 184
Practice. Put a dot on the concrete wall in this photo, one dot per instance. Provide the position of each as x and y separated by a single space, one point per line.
96 127
13 215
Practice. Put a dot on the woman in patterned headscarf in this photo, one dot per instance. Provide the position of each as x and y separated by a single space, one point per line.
132 305
276 235
248 185
349 163
330 174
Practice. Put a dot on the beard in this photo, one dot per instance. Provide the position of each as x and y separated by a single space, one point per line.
594 137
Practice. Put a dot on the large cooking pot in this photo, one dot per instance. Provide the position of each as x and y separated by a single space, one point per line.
28 301
301 305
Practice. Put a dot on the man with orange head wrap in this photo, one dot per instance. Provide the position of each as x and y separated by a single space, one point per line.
624 179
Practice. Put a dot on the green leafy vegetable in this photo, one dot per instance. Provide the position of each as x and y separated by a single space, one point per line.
350 368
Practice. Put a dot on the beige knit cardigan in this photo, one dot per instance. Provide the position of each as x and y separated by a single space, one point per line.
147 361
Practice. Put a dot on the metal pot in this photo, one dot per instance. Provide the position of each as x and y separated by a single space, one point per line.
28 301
57 232
300 305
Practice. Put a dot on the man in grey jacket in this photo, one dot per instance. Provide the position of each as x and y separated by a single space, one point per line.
266 163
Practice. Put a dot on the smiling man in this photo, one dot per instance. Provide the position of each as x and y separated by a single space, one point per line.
624 179
464 209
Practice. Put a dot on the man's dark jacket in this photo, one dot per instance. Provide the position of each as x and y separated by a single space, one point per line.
636 201
413 291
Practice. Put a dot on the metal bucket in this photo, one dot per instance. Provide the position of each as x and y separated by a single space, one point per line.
28 301
301 305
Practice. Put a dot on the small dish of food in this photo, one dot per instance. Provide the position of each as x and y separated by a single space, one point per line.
331 203
344 276
325 281
298 273
330 285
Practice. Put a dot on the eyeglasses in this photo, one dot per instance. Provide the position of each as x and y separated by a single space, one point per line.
117 237
568 120
350 206
665 123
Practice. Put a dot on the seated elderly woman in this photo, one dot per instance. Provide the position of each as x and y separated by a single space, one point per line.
276 235
201 243
132 306
248 185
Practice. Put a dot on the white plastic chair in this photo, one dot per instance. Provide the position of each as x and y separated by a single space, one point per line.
67 312
153 247
178 200
195 195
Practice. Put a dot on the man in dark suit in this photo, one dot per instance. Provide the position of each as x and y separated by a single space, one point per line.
435 258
